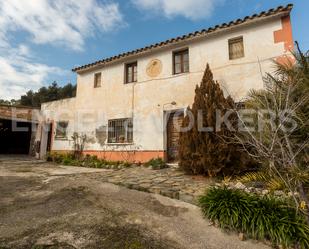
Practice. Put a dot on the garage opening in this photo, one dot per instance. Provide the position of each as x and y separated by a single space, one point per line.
12 140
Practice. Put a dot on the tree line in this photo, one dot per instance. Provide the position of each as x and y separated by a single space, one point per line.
44 94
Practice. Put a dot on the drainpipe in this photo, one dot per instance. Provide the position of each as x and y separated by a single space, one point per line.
133 99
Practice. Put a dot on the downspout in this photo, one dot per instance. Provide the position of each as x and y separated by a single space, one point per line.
133 109
133 98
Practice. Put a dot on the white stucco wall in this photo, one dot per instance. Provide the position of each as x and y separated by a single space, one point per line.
114 99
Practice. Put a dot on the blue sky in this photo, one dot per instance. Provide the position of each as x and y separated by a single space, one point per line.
42 40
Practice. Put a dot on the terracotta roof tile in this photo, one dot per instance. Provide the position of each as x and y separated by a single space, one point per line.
278 10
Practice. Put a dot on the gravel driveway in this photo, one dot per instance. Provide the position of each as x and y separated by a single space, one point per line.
43 205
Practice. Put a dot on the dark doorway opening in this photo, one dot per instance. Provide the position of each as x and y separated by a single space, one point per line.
49 137
15 139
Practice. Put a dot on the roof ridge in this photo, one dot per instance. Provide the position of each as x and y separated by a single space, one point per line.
236 22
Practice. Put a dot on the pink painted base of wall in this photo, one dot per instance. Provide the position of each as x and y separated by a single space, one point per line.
127 156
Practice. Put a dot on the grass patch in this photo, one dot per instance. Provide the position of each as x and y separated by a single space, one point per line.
156 164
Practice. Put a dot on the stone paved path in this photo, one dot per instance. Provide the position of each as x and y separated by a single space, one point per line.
167 182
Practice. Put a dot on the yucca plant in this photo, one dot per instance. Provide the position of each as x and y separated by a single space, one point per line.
281 142
268 217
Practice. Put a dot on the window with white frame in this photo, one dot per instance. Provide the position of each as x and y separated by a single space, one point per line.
181 61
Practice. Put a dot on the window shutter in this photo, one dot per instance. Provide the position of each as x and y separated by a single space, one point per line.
236 48
97 80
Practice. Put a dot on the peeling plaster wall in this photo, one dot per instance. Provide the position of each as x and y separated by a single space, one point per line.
61 110
114 99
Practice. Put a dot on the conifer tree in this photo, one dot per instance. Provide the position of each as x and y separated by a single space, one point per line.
204 151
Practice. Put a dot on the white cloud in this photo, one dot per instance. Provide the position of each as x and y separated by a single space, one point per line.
18 72
190 9
61 22
65 23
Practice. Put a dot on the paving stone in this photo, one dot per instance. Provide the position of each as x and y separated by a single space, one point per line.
145 185
155 190
144 181
142 188
167 182
127 184
159 180
186 197
170 193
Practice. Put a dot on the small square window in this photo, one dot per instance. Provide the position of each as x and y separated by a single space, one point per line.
61 129
97 80
236 48
181 61
131 72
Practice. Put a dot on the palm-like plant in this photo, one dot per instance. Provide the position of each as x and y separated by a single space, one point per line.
282 112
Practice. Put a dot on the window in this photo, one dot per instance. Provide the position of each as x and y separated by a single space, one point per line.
97 80
236 48
61 130
181 62
120 131
131 72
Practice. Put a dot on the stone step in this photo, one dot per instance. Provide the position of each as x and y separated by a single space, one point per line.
173 165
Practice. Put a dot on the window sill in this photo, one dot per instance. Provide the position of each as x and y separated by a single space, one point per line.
128 83
111 144
235 59
178 74
61 138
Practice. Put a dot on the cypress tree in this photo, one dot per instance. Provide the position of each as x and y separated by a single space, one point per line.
205 151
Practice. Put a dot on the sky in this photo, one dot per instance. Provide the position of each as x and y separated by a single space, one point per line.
42 40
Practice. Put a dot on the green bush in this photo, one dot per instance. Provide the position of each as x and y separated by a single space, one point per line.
55 157
260 217
156 163
87 161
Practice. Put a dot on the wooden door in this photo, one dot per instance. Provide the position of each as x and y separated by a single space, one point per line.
174 122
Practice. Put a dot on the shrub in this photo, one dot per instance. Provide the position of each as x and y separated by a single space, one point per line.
49 157
156 163
206 152
88 161
79 142
260 217
67 161
55 157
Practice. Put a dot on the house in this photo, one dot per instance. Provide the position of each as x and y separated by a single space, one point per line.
127 105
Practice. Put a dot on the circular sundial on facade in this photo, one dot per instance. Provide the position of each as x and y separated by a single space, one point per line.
154 68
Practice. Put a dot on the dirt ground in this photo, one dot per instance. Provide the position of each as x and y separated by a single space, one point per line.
43 205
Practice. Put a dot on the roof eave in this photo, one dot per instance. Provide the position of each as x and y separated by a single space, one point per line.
178 41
